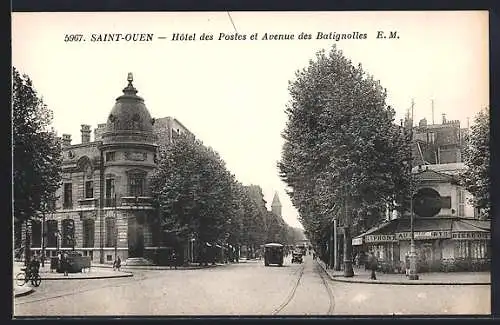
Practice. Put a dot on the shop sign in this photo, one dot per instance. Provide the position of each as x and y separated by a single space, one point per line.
357 241
470 235
423 235
379 238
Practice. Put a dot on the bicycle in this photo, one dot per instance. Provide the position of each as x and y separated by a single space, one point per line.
24 277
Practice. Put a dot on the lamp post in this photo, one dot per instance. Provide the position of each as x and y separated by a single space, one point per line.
116 229
413 254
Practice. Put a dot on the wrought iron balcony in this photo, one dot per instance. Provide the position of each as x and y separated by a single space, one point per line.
88 203
137 201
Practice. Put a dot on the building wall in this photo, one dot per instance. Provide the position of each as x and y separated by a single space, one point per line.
452 190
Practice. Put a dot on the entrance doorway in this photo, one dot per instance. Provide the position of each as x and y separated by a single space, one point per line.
135 238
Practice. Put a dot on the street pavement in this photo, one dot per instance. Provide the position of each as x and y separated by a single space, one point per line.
246 289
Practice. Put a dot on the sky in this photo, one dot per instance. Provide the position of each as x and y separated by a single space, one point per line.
232 94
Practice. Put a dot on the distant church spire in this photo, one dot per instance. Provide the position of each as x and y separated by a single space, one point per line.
276 205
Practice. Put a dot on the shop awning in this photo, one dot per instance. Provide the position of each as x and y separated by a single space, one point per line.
425 229
379 230
468 230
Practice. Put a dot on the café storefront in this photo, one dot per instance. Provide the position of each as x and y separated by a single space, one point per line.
442 244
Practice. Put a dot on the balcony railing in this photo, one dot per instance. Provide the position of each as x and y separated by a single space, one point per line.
137 201
88 203
110 202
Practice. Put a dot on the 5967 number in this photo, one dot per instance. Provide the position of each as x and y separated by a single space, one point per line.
73 37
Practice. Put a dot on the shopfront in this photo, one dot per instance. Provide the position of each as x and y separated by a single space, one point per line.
442 244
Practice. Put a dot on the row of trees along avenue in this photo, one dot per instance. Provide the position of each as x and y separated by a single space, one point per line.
195 192
197 196
338 115
37 157
362 159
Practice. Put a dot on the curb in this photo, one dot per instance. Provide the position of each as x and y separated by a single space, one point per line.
339 278
92 277
24 293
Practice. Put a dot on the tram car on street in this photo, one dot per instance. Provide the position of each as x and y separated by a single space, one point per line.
273 254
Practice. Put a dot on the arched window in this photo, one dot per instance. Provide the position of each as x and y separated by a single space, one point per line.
88 232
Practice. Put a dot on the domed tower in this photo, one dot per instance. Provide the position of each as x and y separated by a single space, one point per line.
276 205
128 151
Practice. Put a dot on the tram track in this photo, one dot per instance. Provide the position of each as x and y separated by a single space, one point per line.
324 279
291 294
296 283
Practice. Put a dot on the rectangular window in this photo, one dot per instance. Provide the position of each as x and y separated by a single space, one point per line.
136 185
68 233
36 233
68 196
446 202
110 232
51 229
110 156
89 189
432 138
88 232
110 192
461 203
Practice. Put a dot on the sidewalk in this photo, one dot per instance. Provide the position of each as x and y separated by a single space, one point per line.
432 278
94 273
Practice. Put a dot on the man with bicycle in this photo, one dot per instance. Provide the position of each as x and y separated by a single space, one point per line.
33 267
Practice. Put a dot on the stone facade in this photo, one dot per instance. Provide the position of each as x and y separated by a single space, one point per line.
105 189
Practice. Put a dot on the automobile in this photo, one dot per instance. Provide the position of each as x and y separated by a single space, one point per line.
297 257
273 254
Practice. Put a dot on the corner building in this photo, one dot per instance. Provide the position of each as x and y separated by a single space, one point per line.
104 199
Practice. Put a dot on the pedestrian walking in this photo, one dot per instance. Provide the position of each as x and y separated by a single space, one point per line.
117 264
173 259
372 263
407 264
65 263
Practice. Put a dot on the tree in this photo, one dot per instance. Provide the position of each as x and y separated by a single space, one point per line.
193 190
343 155
37 152
476 177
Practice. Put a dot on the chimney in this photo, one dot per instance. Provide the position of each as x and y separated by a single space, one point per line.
85 133
66 140
444 118
98 132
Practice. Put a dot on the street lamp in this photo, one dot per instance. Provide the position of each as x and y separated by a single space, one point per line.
413 255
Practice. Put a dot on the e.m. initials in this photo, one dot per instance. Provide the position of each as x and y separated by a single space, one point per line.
383 35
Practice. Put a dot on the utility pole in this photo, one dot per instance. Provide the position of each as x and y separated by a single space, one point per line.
43 239
336 264
432 106
348 271
413 255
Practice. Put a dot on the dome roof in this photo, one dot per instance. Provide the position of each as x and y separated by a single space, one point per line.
129 112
